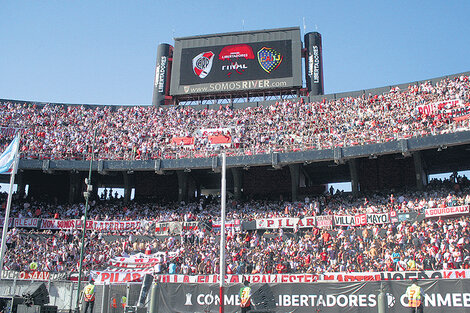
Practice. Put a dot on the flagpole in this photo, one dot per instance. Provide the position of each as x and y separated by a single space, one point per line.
223 193
7 210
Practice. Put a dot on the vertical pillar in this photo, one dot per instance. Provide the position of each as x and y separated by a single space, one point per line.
95 184
105 298
20 184
237 182
74 187
354 176
420 174
294 177
182 185
127 177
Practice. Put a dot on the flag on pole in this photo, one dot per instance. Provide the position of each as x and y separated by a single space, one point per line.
8 156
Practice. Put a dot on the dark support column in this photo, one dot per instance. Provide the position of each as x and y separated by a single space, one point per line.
182 185
75 187
95 184
294 177
127 186
191 188
354 176
419 171
237 182
21 185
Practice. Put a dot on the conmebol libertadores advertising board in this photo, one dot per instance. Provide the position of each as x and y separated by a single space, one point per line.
237 62
437 296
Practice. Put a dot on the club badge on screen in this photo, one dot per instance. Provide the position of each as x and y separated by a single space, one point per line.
202 63
269 59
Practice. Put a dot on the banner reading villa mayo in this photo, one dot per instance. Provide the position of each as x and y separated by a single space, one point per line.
323 221
129 275
451 210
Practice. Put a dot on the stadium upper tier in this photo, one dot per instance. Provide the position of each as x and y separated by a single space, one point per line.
66 132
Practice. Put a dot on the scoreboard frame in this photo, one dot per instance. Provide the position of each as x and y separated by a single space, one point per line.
234 63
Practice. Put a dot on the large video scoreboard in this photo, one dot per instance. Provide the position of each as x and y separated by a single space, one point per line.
237 62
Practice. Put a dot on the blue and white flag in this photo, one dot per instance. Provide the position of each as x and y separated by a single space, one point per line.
8 156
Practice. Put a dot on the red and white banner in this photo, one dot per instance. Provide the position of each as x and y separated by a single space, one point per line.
324 221
183 140
114 277
407 275
381 218
162 228
91 225
26 222
110 277
435 107
141 261
361 219
21 222
8 131
175 228
59 224
451 210
285 222
234 225
114 225
33 275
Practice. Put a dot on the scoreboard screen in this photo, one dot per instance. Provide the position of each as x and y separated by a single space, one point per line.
224 63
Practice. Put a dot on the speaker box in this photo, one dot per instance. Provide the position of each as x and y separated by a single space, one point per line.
135 309
10 303
146 285
37 295
22 308
263 299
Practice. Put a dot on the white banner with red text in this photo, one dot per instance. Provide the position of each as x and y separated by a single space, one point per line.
34 275
451 210
119 277
434 108
91 225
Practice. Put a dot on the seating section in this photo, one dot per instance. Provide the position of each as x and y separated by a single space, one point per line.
147 132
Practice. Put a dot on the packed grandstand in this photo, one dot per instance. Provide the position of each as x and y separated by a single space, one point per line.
399 230
151 132
431 242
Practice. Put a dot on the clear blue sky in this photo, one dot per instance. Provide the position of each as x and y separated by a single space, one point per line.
80 51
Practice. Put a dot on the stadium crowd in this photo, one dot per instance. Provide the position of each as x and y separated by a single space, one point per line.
148 132
416 244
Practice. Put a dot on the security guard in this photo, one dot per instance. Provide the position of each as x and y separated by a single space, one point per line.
413 293
245 297
33 266
89 295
